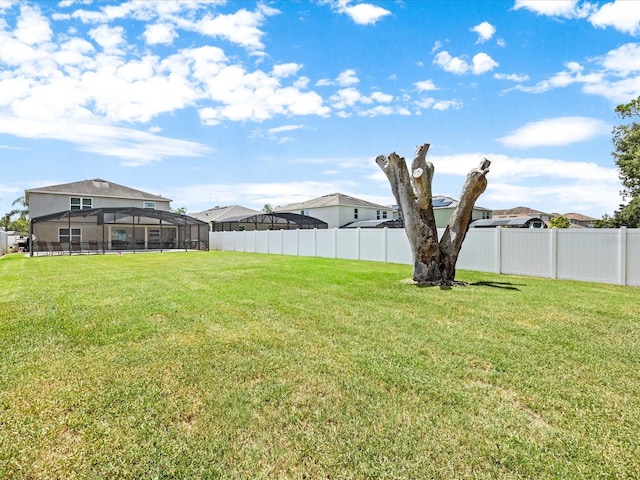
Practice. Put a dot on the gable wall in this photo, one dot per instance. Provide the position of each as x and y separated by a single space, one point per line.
46 203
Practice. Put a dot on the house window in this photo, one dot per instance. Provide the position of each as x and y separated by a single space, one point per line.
79 203
151 205
65 237
355 213
486 215
377 214
304 212
384 214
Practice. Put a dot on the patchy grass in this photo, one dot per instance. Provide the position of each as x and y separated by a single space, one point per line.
226 365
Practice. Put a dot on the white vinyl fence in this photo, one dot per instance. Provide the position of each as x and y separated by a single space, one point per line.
592 255
4 238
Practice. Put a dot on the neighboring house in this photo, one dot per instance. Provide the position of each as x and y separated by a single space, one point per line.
94 215
89 194
219 214
443 208
522 212
579 220
338 209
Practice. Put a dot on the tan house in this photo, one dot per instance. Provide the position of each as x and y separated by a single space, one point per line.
522 212
579 220
98 215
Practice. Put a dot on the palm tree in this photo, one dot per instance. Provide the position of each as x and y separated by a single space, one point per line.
23 212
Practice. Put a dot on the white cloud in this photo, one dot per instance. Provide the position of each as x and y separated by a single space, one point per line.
159 33
555 132
346 78
347 97
614 76
556 8
241 27
284 128
134 147
425 86
485 31
286 69
455 65
109 38
381 97
443 105
483 63
362 13
623 60
32 27
512 77
440 105
621 15
573 74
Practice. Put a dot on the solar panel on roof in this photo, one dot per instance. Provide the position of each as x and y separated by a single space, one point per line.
441 202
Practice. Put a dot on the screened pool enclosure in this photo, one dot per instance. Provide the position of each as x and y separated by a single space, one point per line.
102 230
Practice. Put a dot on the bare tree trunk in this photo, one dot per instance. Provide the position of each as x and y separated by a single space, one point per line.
434 262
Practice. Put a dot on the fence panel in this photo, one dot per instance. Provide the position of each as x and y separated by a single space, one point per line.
526 252
262 241
274 241
398 248
372 244
307 246
290 242
348 245
3 242
591 255
326 243
633 258
479 251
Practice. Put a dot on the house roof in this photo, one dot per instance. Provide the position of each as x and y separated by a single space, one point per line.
579 217
442 201
382 223
518 212
219 214
505 222
331 200
96 188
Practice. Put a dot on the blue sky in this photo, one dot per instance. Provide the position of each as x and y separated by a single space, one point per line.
252 103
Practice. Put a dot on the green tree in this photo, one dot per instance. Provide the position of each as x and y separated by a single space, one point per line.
179 211
626 142
560 222
267 208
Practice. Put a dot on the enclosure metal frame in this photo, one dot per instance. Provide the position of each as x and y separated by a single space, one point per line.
183 223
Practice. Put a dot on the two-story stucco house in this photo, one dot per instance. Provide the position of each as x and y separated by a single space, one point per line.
338 209
98 215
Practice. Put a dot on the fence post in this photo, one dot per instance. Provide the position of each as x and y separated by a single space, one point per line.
553 253
335 242
622 265
358 243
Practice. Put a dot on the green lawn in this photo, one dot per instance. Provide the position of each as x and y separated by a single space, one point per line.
228 365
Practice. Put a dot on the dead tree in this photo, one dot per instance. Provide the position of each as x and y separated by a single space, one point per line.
434 261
